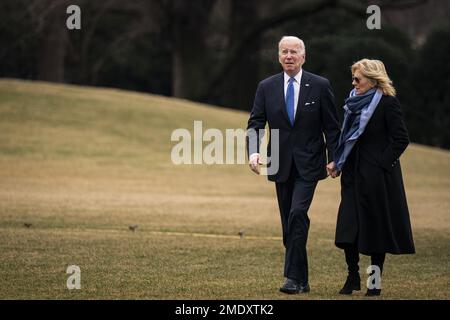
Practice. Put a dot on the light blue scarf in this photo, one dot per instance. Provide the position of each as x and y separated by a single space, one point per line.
358 111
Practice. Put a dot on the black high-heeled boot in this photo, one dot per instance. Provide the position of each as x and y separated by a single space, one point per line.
353 282
373 292
377 259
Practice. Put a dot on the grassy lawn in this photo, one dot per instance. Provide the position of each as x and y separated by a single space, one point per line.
81 165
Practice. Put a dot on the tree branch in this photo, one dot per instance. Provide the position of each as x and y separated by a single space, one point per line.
305 8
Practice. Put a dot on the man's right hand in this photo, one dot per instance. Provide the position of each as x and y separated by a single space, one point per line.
254 163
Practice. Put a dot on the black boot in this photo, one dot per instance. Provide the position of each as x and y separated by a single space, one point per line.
377 259
373 292
353 282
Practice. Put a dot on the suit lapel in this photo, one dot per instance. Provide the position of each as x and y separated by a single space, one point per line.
279 93
305 89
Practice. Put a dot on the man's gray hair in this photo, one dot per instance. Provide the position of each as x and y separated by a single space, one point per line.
296 39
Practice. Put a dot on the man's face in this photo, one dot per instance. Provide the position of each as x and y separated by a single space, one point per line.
291 57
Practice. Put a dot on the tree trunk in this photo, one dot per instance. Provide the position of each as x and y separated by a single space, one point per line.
53 49
244 75
189 54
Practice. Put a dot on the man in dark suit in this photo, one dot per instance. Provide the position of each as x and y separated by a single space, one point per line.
300 105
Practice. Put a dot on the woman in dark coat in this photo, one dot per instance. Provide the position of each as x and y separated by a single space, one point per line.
373 216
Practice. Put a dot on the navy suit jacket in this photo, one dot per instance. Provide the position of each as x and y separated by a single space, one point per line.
315 129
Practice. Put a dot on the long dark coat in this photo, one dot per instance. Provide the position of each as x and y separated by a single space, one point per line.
373 212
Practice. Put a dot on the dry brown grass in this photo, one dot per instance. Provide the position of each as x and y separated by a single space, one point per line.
83 164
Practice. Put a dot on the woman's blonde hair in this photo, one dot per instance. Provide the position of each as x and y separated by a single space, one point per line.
375 71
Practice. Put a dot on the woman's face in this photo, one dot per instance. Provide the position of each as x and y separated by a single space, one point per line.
361 83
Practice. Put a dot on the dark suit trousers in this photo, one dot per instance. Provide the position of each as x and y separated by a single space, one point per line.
294 198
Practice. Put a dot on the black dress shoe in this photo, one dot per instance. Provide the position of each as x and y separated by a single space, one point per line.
292 286
373 292
305 289
353 282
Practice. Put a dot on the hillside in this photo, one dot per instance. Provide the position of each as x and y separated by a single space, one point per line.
83 164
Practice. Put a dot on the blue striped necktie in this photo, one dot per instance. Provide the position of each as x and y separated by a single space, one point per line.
290 100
